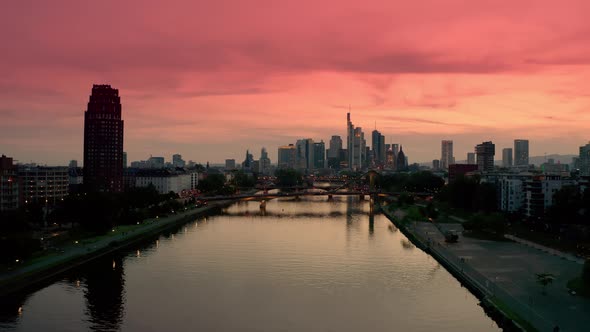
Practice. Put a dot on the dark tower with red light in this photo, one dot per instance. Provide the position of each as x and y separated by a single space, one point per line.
103 141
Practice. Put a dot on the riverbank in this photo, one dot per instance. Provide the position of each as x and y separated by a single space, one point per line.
500 303
83 251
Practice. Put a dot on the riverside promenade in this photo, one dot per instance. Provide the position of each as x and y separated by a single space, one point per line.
79 252
503 275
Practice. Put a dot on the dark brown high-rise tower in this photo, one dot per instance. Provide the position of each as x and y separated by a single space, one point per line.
103 141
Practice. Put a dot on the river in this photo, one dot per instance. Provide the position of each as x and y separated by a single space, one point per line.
306 265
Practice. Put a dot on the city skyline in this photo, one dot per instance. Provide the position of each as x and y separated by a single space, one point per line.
210 90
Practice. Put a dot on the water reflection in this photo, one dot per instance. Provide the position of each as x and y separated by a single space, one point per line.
298 266
104 293
406 244
371 221
11 308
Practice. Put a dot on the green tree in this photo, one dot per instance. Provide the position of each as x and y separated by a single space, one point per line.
567 205
212 183
586 273
243 180
288 177
545 279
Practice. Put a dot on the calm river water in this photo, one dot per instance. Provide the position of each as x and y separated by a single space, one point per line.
308 265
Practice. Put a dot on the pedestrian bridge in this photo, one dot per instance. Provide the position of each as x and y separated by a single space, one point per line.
314 192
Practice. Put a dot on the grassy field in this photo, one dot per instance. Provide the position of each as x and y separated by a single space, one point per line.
579 286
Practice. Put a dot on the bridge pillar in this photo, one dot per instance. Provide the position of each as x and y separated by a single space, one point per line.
330 197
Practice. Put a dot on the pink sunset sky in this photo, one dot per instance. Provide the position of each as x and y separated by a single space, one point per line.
210 79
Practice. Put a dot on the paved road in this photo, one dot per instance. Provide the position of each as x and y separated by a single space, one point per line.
513 267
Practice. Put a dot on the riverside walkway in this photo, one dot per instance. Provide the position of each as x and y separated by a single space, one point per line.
82 251
505 275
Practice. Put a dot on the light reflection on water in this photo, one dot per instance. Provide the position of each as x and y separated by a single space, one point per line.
304 265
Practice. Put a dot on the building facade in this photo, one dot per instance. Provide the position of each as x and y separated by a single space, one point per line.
230 164
264 162
521 152
456 170
583 161
319 155
287 156
446 158
378 145
471 158
304 156
485 156
165 180
177 161
507 157
539 191
9 185
44 185
356 145
103 141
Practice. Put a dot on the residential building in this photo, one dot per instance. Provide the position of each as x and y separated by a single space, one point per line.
446 158
521 152
76 180
230 164
539 191
436 164
471 158
507 157
584 160
166 180
511 191
103 141
9 185
44 185
156 162
177 161
456 170
73 164
485 156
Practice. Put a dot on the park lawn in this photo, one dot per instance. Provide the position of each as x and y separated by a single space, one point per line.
578 285
508 312
548 240
414 213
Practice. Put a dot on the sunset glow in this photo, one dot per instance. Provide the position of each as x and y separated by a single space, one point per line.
211 79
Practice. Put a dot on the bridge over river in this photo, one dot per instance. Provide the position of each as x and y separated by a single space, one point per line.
316 192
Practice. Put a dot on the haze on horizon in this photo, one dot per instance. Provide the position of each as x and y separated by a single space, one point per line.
210 79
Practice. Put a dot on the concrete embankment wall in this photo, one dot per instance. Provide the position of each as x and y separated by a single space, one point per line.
474 286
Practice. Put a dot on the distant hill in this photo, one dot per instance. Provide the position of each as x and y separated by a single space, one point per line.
536 160
561 158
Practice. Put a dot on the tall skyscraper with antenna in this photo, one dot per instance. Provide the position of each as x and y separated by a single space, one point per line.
356 145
